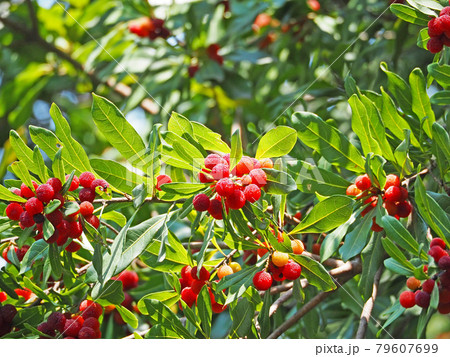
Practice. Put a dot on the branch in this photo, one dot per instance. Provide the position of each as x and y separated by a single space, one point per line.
198 245
107 225
33 18
368 306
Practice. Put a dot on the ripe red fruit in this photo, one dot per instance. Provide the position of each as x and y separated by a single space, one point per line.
352 190
55 183
391 208
129 279
201 202
127 301
86 194
87 333
197 285
57 321
188 296
404 194
86 208
437 253
375 227
215 209
444 308
27 192
225 187
212 52
435 27
236 200
3 296
404 209
73 247
193 69
203 276
220 171
60 198
407 299
46 328
392 180
161 180
21 252
13 211
56 217
34 206
438 241
444 296
90 309
393 194
61 239
262 280
428 286
45 193
224 271
141 27
212 160
71 328
259 177
91 322
252 193
186 273
297 246
74 229
26 220
99 183
218 308
363 182
277 273
444 263
422 299
86 179
244 166
93 221
292 270
204 177
413 283
8 312
74 184
435 45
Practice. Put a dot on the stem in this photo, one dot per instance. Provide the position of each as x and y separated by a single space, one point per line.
33 18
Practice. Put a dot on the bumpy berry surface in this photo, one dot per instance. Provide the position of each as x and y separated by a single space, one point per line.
26 219
197 285
201 202
99 183
93 221
188 296
393 194
71 328
413 283
161 180
87 333
129 279
220 171
8 313
205 177
236 200
252 193
90 309
259 177
74 184
203 276
404 194
86 179
244 166
45 193
27 192
444 262
212 160
55 183
86 208
73 247
392 180
292 270
445 11
363 182
57 321
34 206
404 209
56 217
352 190
435 45
438 241
262 280
74 229
391 208
215 209
437 253
22 251
91 322
86 194
428 285
422 299
46 328
13 211
225 187
407 299
435 27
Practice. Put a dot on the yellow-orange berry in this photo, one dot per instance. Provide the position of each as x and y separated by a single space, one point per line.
297 246
266 163
413 283
224 270
280 259
235 266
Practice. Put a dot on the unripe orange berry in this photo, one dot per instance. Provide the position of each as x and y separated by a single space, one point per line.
235 266
413 283
297 246
352 190
266 163
280 259
224 270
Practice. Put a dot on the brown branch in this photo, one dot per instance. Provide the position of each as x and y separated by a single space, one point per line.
107 225
368 306
198 245
233 252
285 297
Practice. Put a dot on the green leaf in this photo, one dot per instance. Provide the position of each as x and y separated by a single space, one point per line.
441 73
326 215
58 166
20 170
183 188
276 142
399 88
424 6
313 179
209 235
55 260
441 98
23 152
38 250
179 125
43 172
395 253
410 14
327 141
127 316
356 240
72 149
441 137
168 297
208 139
236 149
242 316
397 268
117 175
264 317
35 289
48 229
314 272
421 105
7 195
279 182
372 258
205 310
184 150
112 292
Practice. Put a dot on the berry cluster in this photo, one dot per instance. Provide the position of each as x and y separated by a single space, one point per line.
7 314
66 221
439 31
420 293
84 325
20 252
234 188
394 197
149 27
192 282
130 280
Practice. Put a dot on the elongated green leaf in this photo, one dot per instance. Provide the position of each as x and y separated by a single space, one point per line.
183 188
327 140
372 259
127 316
183 149
205 310
168 297
421 105
442 139
410 14
179 125
441 98
236 149
7 195
276 142
356 240
424 6
58 166
208 139
38 250
399 88
396 254
55 260
20 170
43 172
314 272
242 316
23 152
441 73
264 317
326 215
279 182
112 292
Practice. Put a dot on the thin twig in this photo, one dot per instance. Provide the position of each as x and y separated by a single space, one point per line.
198 245
33 18
368 306
107 225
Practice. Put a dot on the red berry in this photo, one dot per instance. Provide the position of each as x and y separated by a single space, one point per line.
55 183
407 299
435 27
215 209
25 293
392 180
445 11
244 166
86 208
404 209
404 194
129 279
71 328
193 69
90 309
220 171
201 202
188 296
55 218
87 333
57 321
236 200
197 285
99 183
86 194
259 177
391 208
74 184
13 211
225 187
204 177
292 270
218 308
62 238
93 221
363 182
444 262
437 253
91 322
27 192
34 206
375 227
73 247
26 220
435 45
352 190
203 276
46 328
252 193
161 180
393 194
86 179
262 280
422 299
3 296
277 273
413 283
428 286
45 193
74 229
438 241
60 198
444 308
21 252
186 273
212 160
